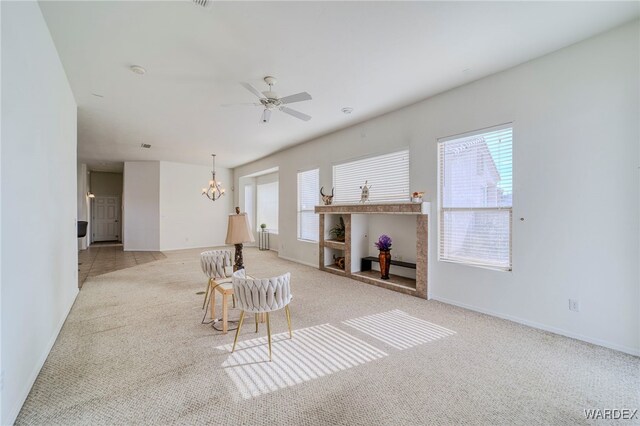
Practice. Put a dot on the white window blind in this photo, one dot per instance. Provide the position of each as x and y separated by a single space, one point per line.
388 176
267 206
308 197
475 194
248 202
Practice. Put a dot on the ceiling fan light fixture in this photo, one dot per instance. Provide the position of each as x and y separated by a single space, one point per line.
270 94
270 100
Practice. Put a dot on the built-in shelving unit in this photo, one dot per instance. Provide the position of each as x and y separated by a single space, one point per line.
355 247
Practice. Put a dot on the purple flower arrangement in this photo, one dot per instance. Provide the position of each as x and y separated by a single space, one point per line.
384 243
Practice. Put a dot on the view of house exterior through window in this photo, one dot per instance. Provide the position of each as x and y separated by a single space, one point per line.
475 194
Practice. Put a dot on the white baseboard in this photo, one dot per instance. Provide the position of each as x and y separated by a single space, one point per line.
298 261
562 332
15 410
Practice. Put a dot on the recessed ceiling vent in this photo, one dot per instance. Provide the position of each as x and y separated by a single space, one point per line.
201 3
145 145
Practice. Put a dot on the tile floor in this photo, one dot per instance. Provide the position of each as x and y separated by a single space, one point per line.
103 258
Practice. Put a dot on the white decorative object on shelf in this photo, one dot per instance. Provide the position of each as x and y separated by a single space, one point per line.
364 196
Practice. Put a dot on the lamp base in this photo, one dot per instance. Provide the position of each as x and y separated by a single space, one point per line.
239 262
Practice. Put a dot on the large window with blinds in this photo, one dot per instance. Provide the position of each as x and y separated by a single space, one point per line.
387 175
308 197
475 198
267 205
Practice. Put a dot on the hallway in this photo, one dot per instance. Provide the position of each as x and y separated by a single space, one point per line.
108 257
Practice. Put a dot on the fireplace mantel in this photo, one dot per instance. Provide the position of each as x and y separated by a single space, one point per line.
375 208
353 249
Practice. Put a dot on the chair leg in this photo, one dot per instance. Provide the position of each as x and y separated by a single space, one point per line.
238 331
269 334
233 299
256 315
288 314
206 294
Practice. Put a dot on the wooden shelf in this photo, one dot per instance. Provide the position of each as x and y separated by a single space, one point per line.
375 208
366 263
373 277
355 251
334 244
334 270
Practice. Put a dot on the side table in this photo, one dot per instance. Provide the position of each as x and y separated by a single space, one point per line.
263 240
225 288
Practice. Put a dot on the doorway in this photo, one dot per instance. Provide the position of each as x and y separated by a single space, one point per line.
106 219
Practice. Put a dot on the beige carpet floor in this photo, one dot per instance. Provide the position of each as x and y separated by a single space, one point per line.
133 351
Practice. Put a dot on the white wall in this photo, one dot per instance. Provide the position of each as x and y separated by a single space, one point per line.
83 202
576 152
106 184
187 218
164 208
39 244
141 206
2 415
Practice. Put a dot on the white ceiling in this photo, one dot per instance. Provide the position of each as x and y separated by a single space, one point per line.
372 56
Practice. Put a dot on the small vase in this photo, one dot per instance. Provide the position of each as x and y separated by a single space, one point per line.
385 262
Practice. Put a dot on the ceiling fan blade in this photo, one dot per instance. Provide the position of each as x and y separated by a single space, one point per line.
298 97
296 114
266 116
252 90
241 104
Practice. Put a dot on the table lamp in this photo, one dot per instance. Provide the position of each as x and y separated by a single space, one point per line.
239 232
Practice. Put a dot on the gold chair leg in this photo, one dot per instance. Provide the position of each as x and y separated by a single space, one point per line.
238 331
256 315
206 294
269 334
288 314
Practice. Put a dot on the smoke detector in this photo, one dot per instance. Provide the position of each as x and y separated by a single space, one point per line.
138 69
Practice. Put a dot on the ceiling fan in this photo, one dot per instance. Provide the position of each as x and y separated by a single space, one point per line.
271 101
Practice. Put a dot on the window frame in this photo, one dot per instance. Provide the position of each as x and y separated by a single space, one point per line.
299 210
440 215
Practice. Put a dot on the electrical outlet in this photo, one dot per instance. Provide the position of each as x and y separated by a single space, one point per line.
574 305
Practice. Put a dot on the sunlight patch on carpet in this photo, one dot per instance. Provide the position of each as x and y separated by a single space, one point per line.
312 353
399 329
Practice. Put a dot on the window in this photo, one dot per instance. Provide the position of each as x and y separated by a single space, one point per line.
267 205
387 174
475 198
248 202
308 197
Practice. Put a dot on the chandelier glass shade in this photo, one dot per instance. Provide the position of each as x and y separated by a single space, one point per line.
215 189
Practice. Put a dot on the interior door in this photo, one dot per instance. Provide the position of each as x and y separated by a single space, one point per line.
106 219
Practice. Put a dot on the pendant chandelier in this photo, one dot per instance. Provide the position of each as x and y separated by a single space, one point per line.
215 189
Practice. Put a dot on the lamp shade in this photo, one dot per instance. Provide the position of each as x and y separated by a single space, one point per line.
239 231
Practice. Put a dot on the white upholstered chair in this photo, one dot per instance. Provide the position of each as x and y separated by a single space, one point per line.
262 296
216 264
